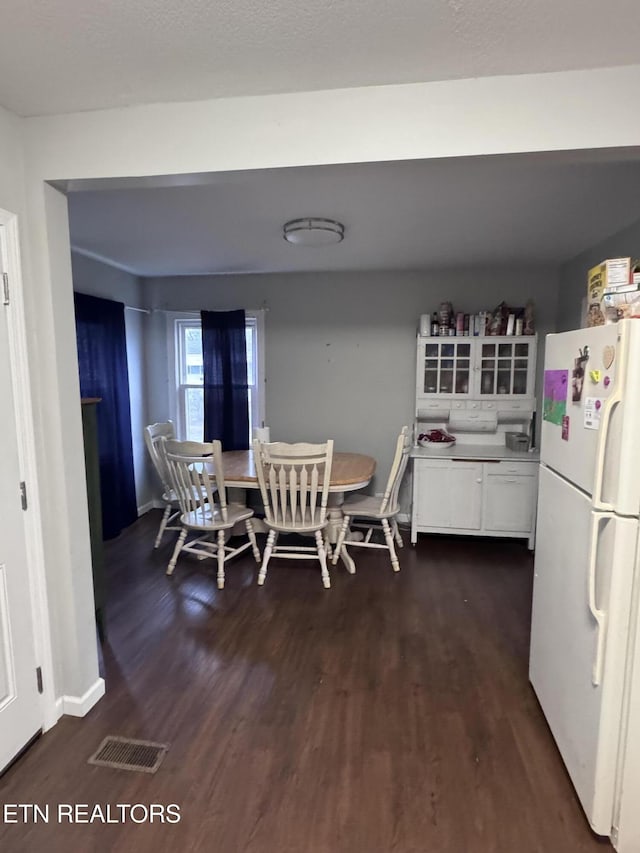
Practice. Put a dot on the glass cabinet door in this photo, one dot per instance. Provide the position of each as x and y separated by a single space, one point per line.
521 369
504 368
447 367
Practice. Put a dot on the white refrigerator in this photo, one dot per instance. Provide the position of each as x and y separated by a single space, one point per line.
585 647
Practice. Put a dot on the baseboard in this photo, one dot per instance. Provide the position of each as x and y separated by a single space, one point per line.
58 713
78 706
145 508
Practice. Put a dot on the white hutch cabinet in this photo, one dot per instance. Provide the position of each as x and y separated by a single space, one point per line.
479 487
478 369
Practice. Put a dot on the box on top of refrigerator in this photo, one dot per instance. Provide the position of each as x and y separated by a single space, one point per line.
609 275
614 272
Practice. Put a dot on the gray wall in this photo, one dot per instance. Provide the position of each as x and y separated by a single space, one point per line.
98 279
340 347
573 274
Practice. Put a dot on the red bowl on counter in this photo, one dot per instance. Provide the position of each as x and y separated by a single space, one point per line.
437 440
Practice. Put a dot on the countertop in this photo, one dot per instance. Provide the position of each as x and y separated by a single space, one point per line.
479 452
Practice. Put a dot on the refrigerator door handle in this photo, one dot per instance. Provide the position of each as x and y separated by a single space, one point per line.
600 616
614 400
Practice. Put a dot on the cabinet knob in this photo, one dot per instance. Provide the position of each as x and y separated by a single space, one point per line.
479 480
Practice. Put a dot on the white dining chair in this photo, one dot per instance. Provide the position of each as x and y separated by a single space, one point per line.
294 485
197 478
154 437
370 513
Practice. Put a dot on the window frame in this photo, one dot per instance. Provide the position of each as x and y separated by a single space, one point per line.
177 389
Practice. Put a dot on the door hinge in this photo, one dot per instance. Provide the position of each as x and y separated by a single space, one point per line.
39 678
23 494
5 288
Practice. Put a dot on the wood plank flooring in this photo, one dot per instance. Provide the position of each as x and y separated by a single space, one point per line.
390 714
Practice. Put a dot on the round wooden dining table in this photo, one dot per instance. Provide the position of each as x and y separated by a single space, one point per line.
349 472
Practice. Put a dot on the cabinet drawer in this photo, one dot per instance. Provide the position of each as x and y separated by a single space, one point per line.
423 463
506 468
515 405
458 404
428 405
503 405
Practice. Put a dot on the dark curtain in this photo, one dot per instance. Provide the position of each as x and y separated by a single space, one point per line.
226 396
102 362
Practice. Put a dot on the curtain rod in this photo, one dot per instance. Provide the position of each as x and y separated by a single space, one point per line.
141 310
197 311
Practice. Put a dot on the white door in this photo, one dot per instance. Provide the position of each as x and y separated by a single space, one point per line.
465 494
600 454
448 494
574 456
432 485
505 368
584 568
509 502
20 709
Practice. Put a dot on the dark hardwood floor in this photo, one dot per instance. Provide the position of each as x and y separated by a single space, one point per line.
390 713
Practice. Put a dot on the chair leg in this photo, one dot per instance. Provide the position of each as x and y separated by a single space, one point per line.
163 524
388 536
271 538
176 551
221 556
341 537
348 560
252 538
396 535
322 556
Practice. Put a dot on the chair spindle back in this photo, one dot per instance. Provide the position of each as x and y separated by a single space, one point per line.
294 481
398 466
197 477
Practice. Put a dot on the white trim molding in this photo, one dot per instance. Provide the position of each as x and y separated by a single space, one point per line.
79 706
176 411
10 251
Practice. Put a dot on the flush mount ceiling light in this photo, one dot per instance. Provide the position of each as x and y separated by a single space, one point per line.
313 231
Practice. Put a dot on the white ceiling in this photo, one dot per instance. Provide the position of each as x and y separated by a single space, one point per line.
524 209
68 55
71 55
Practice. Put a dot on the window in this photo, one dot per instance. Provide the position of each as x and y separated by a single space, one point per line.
186 339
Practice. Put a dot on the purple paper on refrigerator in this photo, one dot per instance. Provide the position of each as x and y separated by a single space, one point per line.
554 404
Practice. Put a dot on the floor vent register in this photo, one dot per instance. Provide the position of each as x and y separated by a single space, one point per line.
124 753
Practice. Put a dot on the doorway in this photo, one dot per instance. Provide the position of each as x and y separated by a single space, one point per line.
25 657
